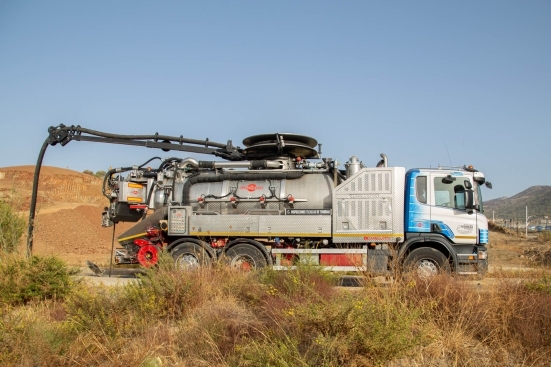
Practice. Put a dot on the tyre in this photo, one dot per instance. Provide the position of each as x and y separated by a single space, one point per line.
189 255
426 261
245 257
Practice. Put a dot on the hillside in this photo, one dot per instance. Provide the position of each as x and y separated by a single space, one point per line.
537 198
56 185
69 207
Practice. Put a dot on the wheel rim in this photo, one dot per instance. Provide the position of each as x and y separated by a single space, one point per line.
426 267
187 261
243 262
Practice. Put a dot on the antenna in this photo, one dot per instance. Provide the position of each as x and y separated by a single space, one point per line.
448 154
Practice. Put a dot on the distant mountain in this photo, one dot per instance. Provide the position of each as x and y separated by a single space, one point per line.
537 198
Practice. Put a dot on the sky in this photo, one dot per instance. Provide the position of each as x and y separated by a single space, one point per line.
427 83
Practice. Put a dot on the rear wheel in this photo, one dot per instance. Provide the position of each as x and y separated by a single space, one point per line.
189 255
426 261
245 257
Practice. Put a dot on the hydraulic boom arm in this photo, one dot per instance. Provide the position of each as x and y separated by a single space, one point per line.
64 134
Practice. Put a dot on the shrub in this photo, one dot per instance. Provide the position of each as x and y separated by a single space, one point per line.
313 323
305 280
30 336
545 236
12 226
512 318
111 312
179 290
100 174
542 285
37 278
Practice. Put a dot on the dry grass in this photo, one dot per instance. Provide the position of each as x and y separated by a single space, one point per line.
222 317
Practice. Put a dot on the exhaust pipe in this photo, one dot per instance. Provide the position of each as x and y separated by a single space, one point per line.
383 162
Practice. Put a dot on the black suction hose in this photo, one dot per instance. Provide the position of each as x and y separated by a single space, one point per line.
34 194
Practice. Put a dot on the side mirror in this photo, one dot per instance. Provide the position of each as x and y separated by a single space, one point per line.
469 199
448 179
468 185
488 184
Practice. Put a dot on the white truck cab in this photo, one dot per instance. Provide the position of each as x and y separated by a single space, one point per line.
444 207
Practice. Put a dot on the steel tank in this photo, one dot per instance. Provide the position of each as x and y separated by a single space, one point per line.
311 191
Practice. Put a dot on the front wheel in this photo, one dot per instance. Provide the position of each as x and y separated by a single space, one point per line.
189 255
426 261
246 257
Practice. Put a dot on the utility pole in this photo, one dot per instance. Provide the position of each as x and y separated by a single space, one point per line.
526 221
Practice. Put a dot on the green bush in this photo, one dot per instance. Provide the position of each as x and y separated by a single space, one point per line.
112 312
37 278
309 322
542 285
12 226
100 174
162 292
303 281
30 337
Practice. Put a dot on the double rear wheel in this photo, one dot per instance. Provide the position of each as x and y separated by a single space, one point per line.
243 256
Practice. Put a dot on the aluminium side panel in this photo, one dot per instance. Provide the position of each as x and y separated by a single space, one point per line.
223 225
295 225
261 225
369 207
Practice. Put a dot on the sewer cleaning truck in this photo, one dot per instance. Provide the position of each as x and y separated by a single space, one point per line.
276 202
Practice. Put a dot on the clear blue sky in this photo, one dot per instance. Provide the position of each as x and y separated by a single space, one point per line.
413 79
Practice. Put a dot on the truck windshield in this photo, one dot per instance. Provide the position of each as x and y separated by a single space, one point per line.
478 197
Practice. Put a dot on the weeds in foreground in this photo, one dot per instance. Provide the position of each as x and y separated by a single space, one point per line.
223 317
29 280
12 224
544 236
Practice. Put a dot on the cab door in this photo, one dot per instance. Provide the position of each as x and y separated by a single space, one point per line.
448 213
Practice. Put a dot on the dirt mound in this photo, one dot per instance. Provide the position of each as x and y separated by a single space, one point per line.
68 217
538 255
497 228
76 235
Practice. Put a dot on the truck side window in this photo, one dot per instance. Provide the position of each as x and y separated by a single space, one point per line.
448 195
421 189
441 198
